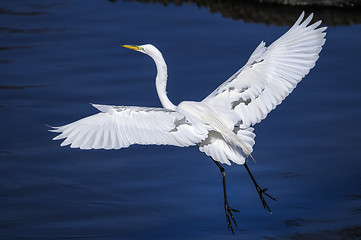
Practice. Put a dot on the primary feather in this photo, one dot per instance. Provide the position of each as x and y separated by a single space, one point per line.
271 73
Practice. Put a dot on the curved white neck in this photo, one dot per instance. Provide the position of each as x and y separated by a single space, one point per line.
161 83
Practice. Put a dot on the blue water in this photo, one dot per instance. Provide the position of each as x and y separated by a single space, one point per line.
56 57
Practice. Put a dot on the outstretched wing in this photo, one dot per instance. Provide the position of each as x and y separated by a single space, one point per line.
271 73
119 126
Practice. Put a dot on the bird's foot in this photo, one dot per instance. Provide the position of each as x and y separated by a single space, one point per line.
260 194
229 216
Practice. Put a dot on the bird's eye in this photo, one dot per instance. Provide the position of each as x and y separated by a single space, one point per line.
141 48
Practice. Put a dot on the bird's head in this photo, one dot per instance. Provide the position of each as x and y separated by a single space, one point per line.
135 48
148 49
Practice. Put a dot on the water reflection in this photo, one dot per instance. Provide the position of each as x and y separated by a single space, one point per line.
32 31
9 87
6 61
270 13
5 11
345 233
14 47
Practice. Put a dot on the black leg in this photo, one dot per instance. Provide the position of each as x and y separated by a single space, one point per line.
227 209
260 191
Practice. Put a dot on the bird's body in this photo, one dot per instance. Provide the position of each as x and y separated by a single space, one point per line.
222 124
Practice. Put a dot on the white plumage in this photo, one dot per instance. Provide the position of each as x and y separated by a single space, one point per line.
221 125
118 127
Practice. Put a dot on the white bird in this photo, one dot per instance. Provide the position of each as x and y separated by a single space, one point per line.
221 124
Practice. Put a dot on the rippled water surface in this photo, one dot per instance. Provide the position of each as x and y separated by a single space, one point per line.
56 57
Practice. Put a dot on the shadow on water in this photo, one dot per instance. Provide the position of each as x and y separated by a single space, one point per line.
273 12
344 233
21 87
5 11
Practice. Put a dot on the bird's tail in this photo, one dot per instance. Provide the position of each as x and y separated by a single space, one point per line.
229 136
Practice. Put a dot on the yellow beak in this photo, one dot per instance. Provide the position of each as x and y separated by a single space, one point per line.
136 48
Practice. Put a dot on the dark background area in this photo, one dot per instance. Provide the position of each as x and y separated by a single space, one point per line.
56 57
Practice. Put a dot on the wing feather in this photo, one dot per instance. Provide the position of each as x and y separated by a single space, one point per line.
271 73
119 126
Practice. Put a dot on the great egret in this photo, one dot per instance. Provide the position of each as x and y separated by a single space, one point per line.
221 124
